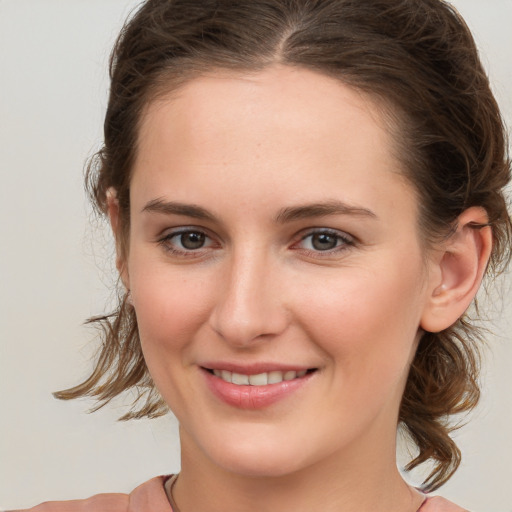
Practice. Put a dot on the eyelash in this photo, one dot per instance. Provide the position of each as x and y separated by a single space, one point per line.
167 244
343 242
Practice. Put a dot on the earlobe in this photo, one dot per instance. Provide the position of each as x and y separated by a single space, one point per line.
113 215
458 271
113 209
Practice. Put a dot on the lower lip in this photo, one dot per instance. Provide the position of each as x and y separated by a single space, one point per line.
253 397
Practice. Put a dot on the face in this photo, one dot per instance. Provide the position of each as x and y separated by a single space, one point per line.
276 269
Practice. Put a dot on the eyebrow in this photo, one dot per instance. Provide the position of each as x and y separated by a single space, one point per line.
333 207
287 214
174 208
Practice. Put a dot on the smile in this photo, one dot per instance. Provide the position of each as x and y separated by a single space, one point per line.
256 390
260 379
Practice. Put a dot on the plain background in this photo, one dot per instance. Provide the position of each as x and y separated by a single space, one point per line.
56 269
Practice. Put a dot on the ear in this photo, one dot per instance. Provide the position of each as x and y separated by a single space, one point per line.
457 271
113 215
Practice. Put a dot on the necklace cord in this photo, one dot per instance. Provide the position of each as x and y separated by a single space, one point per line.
168 486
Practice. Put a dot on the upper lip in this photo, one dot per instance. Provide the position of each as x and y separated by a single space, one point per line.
254 368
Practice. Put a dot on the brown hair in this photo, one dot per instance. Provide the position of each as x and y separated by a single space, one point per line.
419 58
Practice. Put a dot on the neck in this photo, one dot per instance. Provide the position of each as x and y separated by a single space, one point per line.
366 482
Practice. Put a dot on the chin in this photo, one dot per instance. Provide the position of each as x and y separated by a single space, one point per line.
259 466
258 459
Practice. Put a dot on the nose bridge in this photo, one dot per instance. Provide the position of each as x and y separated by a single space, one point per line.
249 305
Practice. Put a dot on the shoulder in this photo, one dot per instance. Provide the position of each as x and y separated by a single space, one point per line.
148 497
100 502
438 504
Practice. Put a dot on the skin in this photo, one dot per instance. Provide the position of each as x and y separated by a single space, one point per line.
246 150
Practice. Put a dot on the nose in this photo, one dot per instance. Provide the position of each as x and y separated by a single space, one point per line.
250 305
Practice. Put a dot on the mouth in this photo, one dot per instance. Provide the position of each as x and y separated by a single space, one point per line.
257 386
259 379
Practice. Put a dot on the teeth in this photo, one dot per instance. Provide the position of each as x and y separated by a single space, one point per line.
238 378
275 377
260 379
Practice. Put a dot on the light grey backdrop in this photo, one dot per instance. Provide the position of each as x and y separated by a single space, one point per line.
56 269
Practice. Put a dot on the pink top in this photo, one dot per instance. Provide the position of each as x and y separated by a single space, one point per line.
151 497
438 504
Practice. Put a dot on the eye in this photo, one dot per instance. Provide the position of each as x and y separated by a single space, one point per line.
186 241
191 240
325 240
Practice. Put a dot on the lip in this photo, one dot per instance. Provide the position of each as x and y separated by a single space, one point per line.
253 397
253 368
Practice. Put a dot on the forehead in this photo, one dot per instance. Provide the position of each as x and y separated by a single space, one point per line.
288 100
298 132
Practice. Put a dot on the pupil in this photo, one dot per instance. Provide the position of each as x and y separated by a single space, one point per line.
192 240
324 242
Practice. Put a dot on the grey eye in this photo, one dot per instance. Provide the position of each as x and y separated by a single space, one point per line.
324 241
192 240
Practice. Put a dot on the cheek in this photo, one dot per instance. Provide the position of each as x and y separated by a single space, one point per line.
367 323
169 309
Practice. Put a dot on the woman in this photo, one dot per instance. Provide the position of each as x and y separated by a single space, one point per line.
305 197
